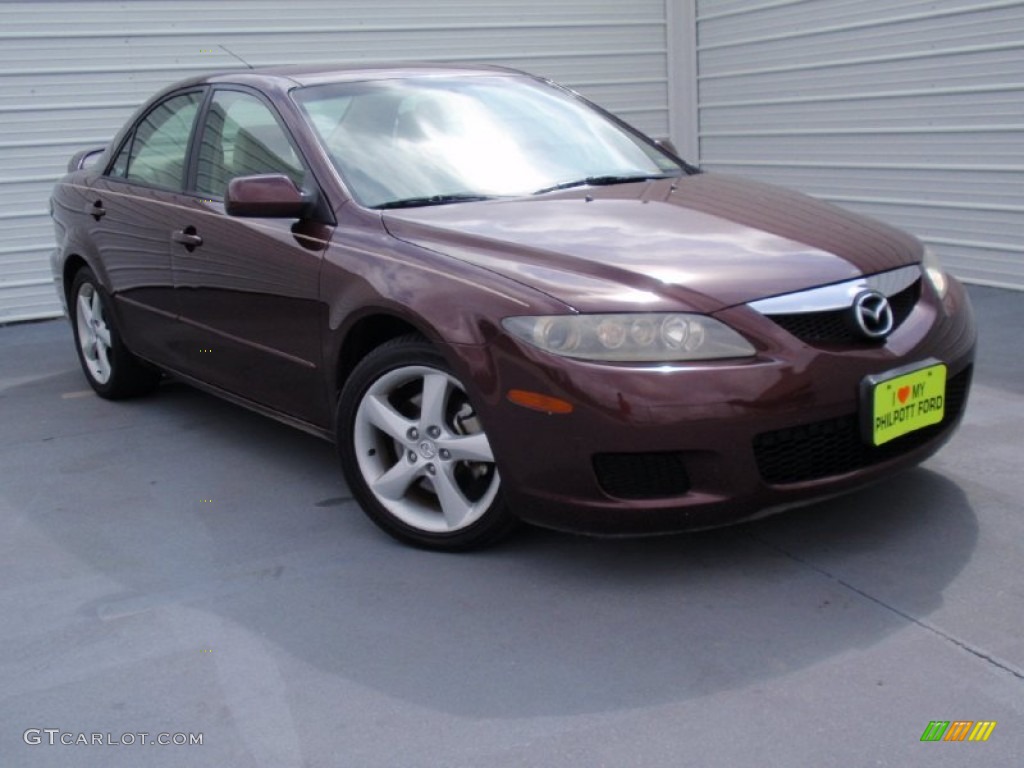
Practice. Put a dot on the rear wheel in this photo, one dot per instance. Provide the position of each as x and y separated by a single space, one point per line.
108 365
415 453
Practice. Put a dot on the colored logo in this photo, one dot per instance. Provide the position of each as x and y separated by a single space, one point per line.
958 730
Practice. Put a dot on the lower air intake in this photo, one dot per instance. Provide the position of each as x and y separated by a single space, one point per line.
642 475
834 446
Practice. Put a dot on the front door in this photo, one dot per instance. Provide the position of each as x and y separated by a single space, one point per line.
248 289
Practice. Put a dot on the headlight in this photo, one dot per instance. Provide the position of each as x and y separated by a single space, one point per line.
936 275
633 338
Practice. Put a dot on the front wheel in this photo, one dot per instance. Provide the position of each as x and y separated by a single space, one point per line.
414 451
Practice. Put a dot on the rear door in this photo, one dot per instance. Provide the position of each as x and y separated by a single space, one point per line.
132 207
248 288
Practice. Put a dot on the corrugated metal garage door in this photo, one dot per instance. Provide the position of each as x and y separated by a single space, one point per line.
911 111
71 73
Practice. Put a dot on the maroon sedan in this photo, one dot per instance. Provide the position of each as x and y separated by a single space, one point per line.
503 303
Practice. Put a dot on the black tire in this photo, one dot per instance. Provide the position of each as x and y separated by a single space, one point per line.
409 479
111 370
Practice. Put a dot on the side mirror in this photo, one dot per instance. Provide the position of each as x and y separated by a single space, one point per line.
270 196
668 146
85 159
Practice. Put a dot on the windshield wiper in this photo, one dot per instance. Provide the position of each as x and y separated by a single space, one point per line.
604 181
416 202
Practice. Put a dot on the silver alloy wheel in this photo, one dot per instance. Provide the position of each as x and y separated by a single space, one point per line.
93 333
422 452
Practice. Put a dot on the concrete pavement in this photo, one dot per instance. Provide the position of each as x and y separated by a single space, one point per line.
178 565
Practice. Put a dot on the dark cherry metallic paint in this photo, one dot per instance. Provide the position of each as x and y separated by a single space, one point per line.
273 195
291 305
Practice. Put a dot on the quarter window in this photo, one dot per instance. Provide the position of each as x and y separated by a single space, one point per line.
120 168
241 137
157 154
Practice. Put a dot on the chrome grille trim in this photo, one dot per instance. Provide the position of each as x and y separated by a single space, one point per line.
838 295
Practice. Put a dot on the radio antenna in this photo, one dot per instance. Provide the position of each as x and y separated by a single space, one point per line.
224 47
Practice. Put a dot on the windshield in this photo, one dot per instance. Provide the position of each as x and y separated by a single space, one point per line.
435 140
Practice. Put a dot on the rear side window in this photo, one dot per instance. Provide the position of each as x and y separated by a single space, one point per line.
241 137
156 153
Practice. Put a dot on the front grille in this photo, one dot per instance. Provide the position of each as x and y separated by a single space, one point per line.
836 326
642 475
835 446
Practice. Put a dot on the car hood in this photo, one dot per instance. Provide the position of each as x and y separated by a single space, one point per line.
703 243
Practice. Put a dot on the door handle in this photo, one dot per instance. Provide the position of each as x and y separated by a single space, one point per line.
96 210
188 238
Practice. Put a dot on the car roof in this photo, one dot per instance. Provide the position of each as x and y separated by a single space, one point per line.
317 74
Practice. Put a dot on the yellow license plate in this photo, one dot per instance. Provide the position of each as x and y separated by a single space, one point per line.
905 401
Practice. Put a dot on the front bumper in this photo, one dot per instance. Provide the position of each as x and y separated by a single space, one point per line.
659 449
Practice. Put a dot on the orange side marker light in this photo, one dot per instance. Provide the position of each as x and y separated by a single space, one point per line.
538 402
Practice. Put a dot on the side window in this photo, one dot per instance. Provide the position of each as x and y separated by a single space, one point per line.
241 137
161 142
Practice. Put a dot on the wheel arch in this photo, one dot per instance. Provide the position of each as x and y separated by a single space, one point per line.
366 334
72 264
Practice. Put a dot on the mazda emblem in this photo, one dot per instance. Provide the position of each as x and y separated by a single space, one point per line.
872 314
